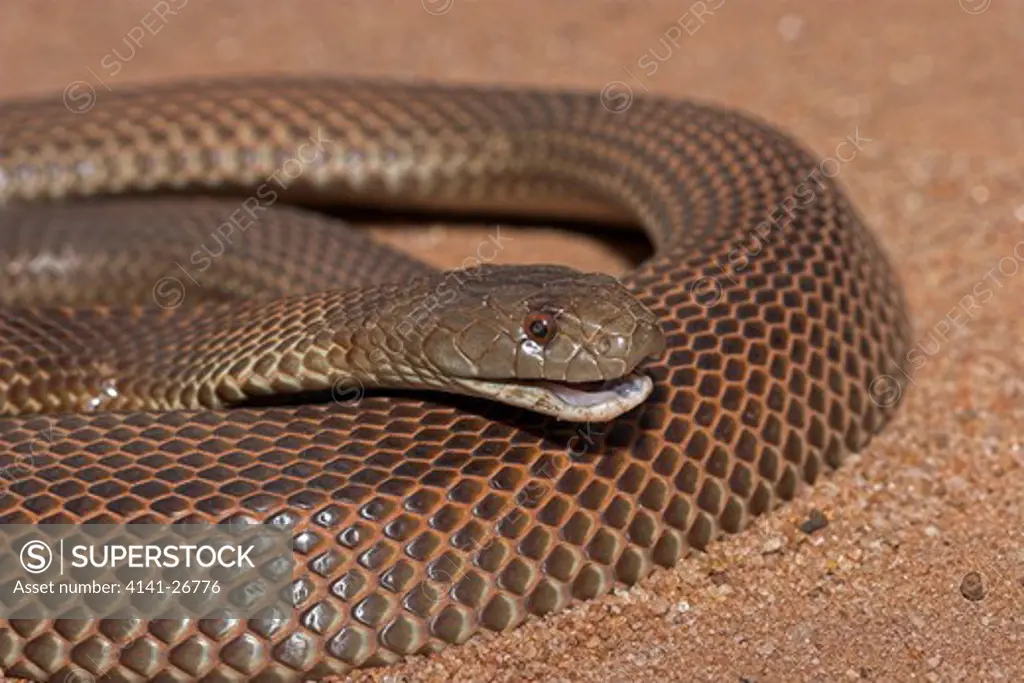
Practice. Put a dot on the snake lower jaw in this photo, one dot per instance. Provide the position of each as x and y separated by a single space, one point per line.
566 401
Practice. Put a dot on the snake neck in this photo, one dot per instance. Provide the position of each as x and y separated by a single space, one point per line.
224 354
342 343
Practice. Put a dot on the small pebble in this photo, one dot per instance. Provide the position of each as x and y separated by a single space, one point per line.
790 27
816 519
772 545
972 587
722 591
718 578
980 194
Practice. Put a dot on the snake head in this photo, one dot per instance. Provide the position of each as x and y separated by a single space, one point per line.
546 338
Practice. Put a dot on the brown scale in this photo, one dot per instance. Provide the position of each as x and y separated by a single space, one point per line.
419 523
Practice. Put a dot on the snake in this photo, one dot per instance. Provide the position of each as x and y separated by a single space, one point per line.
189 334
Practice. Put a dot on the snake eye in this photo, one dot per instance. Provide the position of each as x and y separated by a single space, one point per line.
540 327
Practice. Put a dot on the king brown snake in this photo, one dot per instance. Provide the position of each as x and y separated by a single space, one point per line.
753 350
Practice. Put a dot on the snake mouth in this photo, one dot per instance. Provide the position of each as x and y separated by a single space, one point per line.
569 401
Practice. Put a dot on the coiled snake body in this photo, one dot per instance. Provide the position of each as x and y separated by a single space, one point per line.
769 311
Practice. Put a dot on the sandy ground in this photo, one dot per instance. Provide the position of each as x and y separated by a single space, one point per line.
919 573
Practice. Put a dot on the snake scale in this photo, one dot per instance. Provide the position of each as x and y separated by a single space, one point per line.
745 354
